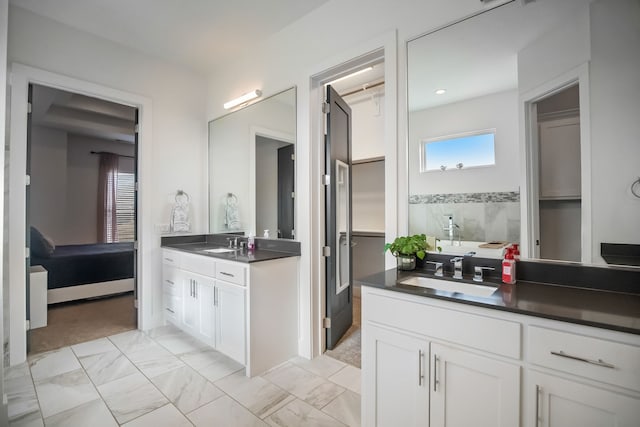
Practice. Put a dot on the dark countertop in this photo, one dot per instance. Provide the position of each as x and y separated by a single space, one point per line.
266 249
593 307
238 256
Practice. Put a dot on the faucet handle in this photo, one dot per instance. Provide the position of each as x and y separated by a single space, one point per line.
439 267
477 273
456 259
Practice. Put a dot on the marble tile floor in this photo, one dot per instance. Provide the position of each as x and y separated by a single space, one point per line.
166 378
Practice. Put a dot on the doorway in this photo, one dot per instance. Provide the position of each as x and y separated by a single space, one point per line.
557 176
360 239
81 218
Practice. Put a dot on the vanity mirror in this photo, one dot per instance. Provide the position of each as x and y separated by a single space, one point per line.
252 168
556 85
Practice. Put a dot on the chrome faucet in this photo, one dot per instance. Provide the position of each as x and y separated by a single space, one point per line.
477 273
233 242
452 229
457 267
439 268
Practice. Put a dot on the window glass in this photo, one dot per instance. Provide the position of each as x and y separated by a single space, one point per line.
458 151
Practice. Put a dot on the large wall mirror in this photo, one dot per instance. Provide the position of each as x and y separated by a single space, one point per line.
553 89
252 168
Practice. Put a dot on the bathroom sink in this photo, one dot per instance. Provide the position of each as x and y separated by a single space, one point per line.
219 250
448 286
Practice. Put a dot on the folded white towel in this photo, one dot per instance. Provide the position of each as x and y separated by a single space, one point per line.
231 214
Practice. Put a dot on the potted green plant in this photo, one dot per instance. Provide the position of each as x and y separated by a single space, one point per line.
407 248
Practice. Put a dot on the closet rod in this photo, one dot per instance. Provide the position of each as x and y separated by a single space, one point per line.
108 152
362 89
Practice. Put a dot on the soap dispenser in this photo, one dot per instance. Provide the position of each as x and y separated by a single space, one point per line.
509 268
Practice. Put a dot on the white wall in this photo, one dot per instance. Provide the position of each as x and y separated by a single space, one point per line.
367 119
499 111
64 183
81 219
49 182
179 119
555 53
615 128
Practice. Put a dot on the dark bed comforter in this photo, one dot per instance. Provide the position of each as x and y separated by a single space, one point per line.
81 264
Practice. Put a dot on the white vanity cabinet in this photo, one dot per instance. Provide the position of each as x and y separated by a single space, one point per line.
417 370
428 362
582 379
246 311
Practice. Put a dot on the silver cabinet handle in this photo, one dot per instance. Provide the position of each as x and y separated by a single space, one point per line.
215 296
169 282
168 259
171 311
195 289
420 373
538 390
224 273
436 359
598 362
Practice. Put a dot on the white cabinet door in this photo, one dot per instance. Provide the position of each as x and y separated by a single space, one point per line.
230 320
206 309
472 390
396 380
560 158
562 403
190 307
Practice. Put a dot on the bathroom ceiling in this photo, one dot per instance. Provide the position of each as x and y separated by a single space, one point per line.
442 61
202 34
82 115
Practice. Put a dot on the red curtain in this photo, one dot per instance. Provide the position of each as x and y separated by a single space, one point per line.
107 190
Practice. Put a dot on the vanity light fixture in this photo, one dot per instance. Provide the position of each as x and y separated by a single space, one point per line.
441 91
243 99
355 73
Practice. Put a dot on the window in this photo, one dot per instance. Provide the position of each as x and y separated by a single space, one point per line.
472 149
125 207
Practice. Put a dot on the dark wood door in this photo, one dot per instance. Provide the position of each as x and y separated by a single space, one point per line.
339 292
286 174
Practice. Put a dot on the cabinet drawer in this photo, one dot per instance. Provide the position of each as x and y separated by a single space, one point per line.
485 333
171 258
590 357
199 264
231 273
171 306
170 281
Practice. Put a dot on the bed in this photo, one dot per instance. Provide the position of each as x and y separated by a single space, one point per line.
85 271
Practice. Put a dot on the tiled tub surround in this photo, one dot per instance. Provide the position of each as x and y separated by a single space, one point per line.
167 378
481 216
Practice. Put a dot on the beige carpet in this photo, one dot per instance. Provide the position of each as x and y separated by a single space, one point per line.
79 321
349 348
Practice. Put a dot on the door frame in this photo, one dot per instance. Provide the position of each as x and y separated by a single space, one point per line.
529 210
384 47
255 131
20 77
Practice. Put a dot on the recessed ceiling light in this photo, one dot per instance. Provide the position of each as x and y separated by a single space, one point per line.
441 91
